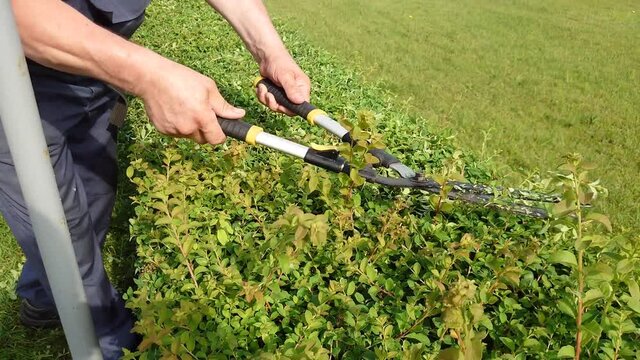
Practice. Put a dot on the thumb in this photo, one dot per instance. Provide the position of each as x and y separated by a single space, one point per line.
297 89
225 110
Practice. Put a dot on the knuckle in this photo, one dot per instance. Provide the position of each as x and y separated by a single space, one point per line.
218 138
186 128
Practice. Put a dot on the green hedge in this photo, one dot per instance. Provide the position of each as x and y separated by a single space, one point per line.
247 253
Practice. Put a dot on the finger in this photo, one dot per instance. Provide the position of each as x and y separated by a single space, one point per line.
262 92
212 132
285 111
297 87
223 109
272 103
198 137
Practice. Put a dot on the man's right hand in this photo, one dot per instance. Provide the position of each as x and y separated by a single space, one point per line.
181 102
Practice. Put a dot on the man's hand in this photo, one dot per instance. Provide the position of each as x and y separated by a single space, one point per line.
250 20
181 102
283 71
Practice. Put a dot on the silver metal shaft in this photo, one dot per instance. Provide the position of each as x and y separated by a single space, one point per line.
21 122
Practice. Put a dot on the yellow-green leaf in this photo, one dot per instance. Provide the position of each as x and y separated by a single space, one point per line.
592 296
567 352
564 257
602 219
130 172
222 236
450 354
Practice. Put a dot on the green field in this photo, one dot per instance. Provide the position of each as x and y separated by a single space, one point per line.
524 82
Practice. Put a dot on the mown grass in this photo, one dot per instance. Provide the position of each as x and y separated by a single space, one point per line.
524 81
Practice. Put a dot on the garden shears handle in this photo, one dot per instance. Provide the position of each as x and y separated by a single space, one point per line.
255 135
319 117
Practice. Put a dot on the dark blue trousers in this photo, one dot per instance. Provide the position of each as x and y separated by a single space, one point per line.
75 114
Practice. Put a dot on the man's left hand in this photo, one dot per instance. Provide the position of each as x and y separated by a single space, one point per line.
283 71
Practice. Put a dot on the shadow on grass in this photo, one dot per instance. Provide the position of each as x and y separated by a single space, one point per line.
19 342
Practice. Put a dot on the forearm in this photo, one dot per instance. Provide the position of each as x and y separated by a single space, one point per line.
251 21
55 35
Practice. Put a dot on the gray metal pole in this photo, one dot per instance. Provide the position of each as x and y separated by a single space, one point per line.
21 122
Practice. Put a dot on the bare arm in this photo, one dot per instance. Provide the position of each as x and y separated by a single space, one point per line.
70 42
251 21
179 101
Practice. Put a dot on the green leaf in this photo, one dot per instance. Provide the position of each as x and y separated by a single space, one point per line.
453 317
356 178
591 331
624 266
634 290
477 311
308 316
187 245
474 349
450 354
130 172
370 159
222 236
200 269
373 291
596 240
372 274
351 288
422 338
599 272
564 257
163 221
602 219
567 352
313 182
512 276
416 268
592 296
567 307
532 343
284 261
628 326
634 304
508 343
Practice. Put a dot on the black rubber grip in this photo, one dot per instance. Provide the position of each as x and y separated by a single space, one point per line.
346 138
316 158
236 129
385 158
281 97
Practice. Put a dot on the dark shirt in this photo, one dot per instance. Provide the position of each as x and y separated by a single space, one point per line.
118 11
109 12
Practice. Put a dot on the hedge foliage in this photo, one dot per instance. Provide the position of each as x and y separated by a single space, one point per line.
247 253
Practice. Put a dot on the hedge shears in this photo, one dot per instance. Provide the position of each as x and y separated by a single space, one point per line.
331 160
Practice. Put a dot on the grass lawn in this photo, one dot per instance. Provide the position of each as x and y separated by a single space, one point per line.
524 81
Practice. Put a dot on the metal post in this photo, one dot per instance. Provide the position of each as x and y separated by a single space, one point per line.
21 122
